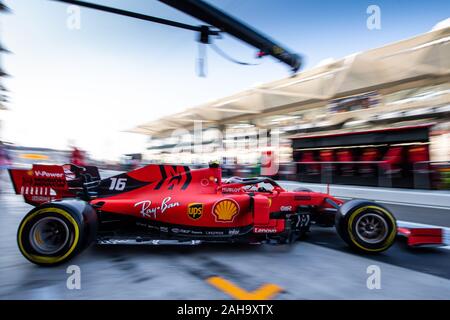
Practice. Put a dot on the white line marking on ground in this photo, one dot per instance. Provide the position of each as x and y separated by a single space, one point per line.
414 205
382 201
352 188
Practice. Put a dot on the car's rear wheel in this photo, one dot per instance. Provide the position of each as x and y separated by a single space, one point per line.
50 235
366 226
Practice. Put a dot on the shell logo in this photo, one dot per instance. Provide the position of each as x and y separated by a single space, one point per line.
225 210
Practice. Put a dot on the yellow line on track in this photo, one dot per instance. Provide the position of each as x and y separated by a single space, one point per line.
264 292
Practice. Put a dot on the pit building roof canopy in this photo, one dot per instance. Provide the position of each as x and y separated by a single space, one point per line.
425 55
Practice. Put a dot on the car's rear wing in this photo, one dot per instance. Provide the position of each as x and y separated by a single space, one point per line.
44 183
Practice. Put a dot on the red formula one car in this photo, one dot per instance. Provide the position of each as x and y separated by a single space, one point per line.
164 203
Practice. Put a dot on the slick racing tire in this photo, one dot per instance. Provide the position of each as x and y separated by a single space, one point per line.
55 232
366 226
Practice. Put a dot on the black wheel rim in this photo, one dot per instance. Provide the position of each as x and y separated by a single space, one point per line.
49 235
372 228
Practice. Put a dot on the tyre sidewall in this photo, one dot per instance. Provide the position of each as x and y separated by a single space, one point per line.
76 235
346 227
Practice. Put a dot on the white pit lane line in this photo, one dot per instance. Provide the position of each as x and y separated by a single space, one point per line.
350 189
407 224
446 231
428 206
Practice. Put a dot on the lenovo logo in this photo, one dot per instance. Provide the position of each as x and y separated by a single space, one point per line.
264 230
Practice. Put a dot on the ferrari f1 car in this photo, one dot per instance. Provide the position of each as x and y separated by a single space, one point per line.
155 204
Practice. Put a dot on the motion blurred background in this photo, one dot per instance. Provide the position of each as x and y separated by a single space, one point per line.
368 116
119 94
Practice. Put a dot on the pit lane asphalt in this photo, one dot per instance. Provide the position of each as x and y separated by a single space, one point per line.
321 267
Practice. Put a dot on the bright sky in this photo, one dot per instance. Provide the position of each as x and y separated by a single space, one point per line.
90 85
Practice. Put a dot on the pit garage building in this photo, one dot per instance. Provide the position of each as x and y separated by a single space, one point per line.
399 90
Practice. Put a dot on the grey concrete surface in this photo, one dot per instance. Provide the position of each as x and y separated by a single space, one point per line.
433 216
321 267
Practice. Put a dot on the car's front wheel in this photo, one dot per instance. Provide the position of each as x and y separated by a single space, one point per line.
366 226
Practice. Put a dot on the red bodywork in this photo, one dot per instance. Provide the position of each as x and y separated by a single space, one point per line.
173 195
422 236
43 183
184 199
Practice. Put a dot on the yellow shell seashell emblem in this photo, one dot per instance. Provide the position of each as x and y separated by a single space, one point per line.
225 210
